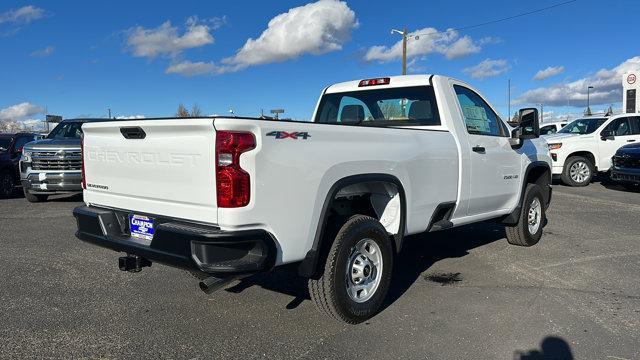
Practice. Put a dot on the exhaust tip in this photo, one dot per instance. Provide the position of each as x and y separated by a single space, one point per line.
212 283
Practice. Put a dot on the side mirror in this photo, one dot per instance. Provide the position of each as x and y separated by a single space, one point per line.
529 123
607 135
515 141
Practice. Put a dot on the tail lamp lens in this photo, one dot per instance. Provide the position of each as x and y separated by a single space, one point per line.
84 178
233 184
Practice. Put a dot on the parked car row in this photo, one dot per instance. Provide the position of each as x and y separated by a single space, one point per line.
42 166
607 145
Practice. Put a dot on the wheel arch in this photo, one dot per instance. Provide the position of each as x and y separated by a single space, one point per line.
584 153
537 172
309 265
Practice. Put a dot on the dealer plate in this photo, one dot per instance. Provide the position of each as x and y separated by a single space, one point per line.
141 227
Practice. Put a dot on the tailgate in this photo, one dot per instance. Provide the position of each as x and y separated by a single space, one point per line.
163 167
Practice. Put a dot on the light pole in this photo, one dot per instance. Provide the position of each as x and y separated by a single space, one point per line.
404 46
588 105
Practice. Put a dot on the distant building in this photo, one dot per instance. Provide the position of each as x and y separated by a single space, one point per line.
630 88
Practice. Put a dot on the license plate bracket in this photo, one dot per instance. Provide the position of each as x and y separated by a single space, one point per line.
142 227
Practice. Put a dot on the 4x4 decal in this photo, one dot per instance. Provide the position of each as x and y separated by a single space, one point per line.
295 135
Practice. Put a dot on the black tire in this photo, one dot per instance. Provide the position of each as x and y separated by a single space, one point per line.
577 161
519 233
329 292
34 198
6 184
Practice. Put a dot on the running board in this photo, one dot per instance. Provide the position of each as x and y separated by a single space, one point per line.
441 225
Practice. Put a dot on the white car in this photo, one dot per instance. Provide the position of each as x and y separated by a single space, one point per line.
383 158
585 146
551 128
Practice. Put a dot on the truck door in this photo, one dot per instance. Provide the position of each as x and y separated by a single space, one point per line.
625 131
495 166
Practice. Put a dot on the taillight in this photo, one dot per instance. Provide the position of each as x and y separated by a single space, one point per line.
84 180
233 184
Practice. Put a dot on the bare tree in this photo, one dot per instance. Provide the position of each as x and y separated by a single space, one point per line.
10 126
195 111
182 112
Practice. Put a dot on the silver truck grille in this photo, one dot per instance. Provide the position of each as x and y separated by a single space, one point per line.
54 160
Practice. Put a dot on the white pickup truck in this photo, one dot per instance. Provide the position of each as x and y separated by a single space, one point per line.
382 159
587 145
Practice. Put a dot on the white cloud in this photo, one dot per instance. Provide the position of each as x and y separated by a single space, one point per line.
430 40
23 15
315 28
488 68
188 68
548 72
165 40
43 52
130 117
607 89
20 112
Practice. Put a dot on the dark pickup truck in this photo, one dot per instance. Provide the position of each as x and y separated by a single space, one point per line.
626 166
11 145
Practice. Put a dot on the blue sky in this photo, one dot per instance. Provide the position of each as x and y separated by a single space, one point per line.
78 58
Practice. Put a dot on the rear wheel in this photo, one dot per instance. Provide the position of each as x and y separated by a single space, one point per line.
578 171
34 198
528 230
6 184
357 272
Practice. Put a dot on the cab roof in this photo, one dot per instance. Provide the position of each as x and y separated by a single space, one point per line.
394 81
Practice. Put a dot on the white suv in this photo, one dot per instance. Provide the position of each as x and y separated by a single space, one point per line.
587 145
552 128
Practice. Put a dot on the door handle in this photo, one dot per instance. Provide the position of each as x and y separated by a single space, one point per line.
133 132
630 140
478 149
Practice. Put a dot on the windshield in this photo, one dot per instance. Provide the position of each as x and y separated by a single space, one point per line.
583 126
5 143
66 131
393 107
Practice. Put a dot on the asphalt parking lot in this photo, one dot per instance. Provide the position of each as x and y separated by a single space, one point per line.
458 294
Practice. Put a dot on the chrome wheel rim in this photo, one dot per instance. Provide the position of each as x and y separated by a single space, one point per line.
364 270
579 172
534 217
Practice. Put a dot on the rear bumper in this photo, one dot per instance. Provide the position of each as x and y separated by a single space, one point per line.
180 244
52 182
628 175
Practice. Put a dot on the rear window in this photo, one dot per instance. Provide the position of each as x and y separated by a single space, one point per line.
380 107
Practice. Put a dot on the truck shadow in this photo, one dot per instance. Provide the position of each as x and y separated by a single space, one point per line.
418 254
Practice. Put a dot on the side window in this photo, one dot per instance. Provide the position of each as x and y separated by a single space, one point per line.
635 125
478 116
620 127
549 129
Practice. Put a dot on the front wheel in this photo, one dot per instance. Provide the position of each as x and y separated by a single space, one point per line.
357 272
528 230
578 171
6 184
34 198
